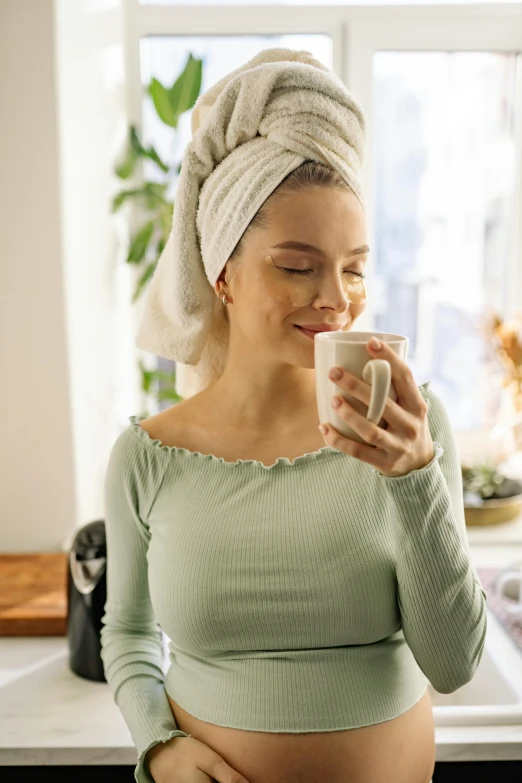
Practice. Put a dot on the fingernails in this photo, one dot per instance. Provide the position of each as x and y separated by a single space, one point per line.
375 344
335 374
323 428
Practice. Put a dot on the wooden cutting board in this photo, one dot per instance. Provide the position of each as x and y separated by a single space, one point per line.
33 594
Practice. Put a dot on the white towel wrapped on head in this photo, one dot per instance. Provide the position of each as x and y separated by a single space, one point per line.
250 130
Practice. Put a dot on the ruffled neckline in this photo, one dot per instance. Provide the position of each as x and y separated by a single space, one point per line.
310 456
182 452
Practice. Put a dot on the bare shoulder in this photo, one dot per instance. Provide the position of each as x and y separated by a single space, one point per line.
172 426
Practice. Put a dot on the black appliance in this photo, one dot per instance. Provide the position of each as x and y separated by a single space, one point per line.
86 596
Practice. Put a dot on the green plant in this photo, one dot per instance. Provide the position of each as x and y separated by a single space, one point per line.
486 481
149 239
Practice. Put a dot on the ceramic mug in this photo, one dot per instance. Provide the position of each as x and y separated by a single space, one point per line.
508 584
348 350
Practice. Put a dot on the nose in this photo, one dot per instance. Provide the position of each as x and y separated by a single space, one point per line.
332 295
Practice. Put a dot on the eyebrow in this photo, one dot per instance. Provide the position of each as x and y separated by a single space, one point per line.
292 245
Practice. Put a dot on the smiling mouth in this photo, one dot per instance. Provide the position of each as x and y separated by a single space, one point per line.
306 332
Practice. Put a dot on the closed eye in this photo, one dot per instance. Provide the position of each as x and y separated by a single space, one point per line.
306 271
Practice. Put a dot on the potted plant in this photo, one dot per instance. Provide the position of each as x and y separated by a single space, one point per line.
490 497
155 209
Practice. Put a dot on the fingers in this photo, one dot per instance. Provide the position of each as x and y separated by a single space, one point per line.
392 451
366 453
393 413
368 430
217 768
402 378
196 761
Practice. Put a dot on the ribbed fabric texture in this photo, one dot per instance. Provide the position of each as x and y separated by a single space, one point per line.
313 595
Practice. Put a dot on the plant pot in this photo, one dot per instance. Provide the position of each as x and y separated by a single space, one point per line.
493 512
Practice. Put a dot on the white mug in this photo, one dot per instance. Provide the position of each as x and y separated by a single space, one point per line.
349 350
509 584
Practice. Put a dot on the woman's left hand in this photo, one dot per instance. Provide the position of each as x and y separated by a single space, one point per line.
406 444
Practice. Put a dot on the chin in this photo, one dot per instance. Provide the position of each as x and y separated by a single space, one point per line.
305 359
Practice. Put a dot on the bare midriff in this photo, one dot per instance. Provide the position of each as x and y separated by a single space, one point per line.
399 750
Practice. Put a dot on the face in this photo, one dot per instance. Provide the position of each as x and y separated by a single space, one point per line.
275 289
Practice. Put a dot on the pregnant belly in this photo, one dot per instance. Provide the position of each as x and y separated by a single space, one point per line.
400 750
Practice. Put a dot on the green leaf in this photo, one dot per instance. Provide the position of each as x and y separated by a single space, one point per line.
145 378
162 375
124 169
185 90
151 193
147 274
135 151
154 378
120 198
153 155
171 103
154 195
140 243
162 103
149 153
161 244
166 385
169 394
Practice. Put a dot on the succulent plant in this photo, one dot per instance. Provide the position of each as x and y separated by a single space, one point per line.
485 481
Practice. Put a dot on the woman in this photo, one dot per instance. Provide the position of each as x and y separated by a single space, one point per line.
311 586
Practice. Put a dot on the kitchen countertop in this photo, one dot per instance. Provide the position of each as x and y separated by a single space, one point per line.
506 534
49 715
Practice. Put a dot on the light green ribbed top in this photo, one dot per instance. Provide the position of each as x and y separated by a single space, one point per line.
312 595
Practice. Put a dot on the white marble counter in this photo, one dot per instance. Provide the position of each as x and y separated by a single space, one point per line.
49 715
508 533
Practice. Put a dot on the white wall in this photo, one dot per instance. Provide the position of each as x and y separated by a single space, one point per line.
38 492
62 122
92 127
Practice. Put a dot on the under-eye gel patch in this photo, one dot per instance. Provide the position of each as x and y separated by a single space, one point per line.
298 289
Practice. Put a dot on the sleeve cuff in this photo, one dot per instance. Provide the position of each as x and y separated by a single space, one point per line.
438 452
141 772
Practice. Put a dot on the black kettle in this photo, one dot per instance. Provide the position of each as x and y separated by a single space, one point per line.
86 596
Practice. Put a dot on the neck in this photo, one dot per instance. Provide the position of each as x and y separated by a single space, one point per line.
270 404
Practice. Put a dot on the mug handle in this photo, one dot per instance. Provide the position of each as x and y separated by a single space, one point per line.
502 580
377 372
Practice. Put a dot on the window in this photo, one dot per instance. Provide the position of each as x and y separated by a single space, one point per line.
165 56
445 156
441 88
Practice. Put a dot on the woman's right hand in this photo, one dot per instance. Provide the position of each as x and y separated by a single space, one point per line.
187 760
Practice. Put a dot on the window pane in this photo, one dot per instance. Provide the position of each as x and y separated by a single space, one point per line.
444 164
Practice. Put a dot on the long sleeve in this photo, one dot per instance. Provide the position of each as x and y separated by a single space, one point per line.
131 641
441 601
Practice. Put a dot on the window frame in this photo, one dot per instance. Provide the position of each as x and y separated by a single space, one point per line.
357 32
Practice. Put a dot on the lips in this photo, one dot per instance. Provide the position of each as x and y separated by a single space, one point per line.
320 327
307 332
